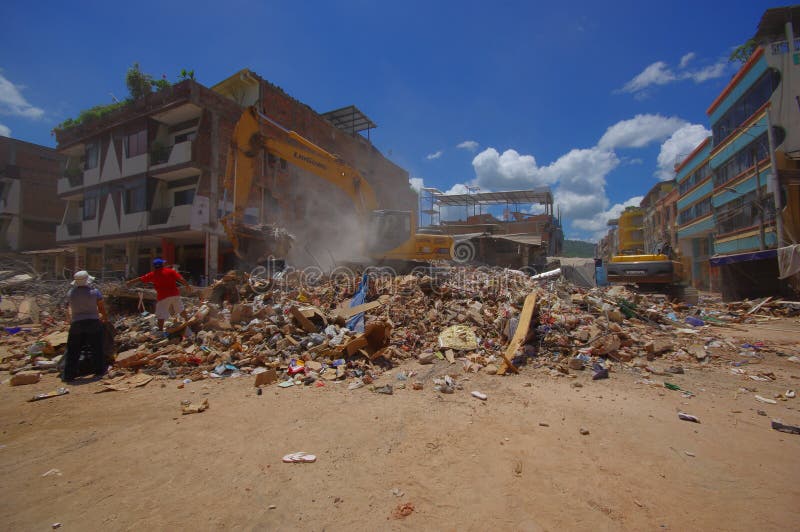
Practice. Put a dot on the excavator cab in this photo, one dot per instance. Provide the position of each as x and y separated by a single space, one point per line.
388 230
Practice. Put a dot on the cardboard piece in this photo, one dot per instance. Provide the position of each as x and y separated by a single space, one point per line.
302 320
266 377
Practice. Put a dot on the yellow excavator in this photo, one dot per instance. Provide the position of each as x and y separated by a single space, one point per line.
658 271
392 236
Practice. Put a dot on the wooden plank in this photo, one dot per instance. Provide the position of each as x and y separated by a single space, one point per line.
304 322
519 335
759 305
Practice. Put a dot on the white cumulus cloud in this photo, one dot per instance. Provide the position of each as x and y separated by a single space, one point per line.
686 59
507 171
469 145
660 73
4 131
435 155
717 70
12 102
416 183
640 131
680 144
657 73
597 225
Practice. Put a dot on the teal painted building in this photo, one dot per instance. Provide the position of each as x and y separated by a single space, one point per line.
695 222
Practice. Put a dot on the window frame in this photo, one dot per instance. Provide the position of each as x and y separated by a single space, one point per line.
136 142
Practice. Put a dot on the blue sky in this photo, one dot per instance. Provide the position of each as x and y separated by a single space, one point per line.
594 99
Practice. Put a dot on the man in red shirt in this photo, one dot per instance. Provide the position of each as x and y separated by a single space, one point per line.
168 297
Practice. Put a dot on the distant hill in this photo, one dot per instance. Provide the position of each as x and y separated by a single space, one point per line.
578 248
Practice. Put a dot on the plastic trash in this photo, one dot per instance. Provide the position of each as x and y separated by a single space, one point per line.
355 385
694 322
688 417
299 458
47 395
36 348
479 395
599 372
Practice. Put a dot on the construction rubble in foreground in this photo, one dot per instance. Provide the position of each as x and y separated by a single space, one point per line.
428 332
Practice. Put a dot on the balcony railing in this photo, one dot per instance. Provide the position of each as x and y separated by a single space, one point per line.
782 47
74 176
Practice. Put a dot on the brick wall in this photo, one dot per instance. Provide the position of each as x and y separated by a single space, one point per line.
389 180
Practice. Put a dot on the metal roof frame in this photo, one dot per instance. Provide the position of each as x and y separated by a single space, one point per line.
350 119
541 196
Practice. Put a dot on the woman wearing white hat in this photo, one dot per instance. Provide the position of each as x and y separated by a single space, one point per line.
85 310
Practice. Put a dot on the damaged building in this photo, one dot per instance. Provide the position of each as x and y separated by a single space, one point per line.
147 179
29 208
519 240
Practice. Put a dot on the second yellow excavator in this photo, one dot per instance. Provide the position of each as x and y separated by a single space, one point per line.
392 235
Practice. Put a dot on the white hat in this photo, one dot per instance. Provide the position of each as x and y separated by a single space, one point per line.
82 278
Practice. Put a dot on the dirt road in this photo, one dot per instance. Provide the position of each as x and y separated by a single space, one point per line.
518 461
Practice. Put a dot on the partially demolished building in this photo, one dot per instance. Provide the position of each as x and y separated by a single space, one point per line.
146 179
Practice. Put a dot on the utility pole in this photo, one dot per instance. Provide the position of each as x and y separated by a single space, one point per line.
761 245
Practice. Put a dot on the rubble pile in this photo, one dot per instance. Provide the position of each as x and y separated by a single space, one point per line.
296 329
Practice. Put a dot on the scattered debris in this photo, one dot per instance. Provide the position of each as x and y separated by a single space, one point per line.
299 458
191 408
25 377
47 395
688 417
788 429
479 395
403 510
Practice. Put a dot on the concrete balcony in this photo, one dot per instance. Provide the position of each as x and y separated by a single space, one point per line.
71 182
175 163
10 198
68 231
169 217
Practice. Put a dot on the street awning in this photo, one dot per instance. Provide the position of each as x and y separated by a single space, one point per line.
721 260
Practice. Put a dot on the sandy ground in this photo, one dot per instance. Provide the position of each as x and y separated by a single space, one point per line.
129 460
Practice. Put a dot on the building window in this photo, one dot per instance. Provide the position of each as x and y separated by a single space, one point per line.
89 205
183 197
695 177
701 208
136 199
744 212
183 137
742 160
136 144
91 158
756 96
